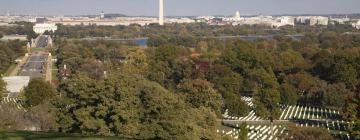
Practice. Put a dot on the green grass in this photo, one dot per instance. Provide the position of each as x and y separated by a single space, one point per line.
37 49
10 69
54 72
27 135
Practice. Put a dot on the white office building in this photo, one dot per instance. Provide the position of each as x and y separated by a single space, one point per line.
42 27
313 20
284 21
356 24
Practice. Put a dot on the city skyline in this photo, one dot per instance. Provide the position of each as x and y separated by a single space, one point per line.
179 8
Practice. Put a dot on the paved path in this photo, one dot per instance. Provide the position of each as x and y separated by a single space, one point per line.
262 122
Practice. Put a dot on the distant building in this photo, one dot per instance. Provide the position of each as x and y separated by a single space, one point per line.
42 27
32 20
323 21
179 20
356 24
312 20
258 20
339 20
102 15
284 21
237 16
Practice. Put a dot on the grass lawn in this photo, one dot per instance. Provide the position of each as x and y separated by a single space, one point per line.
27 135
10 69
37 49
55 71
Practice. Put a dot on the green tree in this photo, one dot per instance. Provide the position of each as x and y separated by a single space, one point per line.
289 60
229 84
200 93
345 73
225 80
236 105
2 88
165 67
137 62
355 129
38 91
352 114
243 132
267 98
336 95
267 103
289 95
130 106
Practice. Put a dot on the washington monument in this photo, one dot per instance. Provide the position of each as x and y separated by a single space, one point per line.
161 12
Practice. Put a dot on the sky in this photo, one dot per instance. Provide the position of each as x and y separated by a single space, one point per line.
179 7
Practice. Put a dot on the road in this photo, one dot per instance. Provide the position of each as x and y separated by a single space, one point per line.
42 42
34 67
36 63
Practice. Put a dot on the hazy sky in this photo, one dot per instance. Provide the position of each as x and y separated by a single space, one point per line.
179 7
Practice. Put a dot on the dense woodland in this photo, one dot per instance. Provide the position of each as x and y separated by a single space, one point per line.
18 28
178 86
9 51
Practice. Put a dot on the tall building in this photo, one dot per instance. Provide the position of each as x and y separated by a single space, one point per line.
102 15
161 12
237 16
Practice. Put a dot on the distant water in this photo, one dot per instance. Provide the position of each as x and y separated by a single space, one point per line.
142 42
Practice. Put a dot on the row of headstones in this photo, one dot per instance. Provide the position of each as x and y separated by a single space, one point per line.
265 132
250 117
234 133
339 126
332 125
15 101
259 132
301 112
343 136
248 101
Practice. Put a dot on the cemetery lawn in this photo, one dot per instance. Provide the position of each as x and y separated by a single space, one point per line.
28 135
